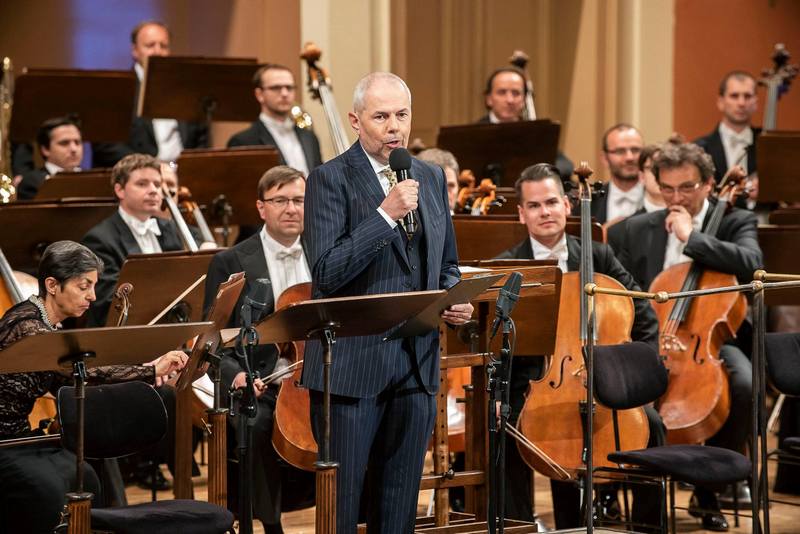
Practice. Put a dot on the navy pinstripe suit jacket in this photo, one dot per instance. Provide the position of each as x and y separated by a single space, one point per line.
353 251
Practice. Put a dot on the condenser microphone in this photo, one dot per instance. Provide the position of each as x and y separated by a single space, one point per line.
400 163
509 295
257 301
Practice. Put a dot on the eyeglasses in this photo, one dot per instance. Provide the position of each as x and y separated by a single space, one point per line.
279 88
283 202
686 188
634 150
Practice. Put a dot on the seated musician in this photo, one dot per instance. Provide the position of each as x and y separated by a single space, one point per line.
276 253
161 138
275 90
652 201
543 208
648 243
447 161
61 147
34 479
504 98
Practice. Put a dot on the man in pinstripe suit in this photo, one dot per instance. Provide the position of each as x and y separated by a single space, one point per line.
383 402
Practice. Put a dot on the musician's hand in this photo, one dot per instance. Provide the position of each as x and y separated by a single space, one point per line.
679 222
751 185
401 199
240 381
169 363
458 313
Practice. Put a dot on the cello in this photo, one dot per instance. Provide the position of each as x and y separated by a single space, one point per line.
550 429
697 401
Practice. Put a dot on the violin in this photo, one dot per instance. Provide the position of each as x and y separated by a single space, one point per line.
697 401
291 431
319 84
550 428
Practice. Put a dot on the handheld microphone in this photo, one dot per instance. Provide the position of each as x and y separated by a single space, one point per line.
400 163
509 295
256 302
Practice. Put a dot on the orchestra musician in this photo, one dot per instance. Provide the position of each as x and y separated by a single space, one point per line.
447 161
648 243
164 139
34 479
61 147
622 146
382 404
543 209
504 99
735 134
276 92
276 253
652 200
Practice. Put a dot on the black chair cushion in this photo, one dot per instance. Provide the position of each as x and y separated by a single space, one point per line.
628 375
695 464
120 419
791 444
783 362
174 517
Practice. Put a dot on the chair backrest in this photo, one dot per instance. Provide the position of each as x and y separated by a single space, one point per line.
628 375
783 362
120 419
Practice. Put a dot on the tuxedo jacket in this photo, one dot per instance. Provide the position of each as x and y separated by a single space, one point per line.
247 257
645 324
640 243
257 134
599 208
712 144
353 251
113 242
31 182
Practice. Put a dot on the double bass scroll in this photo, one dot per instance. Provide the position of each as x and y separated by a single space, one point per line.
319 84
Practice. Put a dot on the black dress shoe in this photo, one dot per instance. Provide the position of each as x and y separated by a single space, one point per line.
149 478
709 513
715 522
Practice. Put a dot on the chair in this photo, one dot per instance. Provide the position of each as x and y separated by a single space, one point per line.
123 419
632 375
783 369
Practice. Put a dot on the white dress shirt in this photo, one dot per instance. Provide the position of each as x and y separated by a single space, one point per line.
53 169
558 252
735 144
650 206
384 181
674 251
285 137
623 203
168 138
145 232
287 265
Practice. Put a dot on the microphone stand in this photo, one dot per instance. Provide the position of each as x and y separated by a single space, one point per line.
246 413
499 373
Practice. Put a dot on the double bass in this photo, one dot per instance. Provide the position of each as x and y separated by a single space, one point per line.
550 429
697 401
319 83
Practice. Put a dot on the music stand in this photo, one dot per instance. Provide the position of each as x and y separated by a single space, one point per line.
778 177
94 183
501 151
777 244
101 99
31 225
91 347
198 89
155 278
234 173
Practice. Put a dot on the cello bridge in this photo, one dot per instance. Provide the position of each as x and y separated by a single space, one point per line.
671 343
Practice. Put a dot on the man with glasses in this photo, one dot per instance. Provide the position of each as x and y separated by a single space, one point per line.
622 144
649 243
276 253
276 93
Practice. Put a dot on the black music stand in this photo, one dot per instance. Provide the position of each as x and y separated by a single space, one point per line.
91 347
101 99
94 183
198 89
778 176
155 277
501 151
30 226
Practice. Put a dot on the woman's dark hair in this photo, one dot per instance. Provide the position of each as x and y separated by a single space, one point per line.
64 260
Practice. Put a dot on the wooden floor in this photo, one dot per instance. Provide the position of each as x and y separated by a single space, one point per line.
784 519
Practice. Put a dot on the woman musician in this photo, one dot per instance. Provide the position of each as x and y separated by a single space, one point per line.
35 478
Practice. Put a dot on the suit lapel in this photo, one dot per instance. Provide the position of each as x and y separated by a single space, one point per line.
251 258
305 144
573 254
365 180
655 244
265 138
129 243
